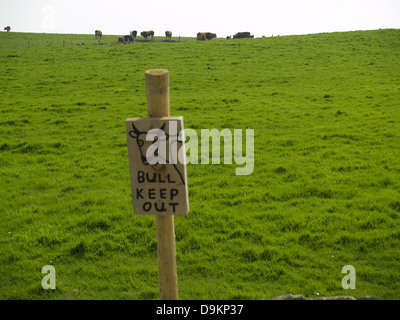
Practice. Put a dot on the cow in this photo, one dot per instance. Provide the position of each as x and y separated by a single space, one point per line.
205 35
241 35
121 40
201 36
168 35
134 34
128 39
8 28
210 35
147 34
98 34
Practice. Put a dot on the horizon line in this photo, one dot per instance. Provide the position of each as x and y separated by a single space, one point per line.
185 36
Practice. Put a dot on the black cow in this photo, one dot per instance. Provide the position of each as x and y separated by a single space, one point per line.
128 39
8 28
210 35
241 35
134 34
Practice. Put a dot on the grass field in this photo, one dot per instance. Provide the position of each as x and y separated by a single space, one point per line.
325 191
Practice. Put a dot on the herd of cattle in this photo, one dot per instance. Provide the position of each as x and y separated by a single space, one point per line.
168 36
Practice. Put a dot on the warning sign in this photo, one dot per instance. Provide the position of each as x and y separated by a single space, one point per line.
156 148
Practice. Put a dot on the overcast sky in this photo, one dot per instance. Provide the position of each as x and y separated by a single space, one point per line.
186 17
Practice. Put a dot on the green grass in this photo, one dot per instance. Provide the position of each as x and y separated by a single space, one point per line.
324 193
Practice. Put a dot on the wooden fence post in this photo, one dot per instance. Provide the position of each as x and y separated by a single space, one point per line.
159 187
157 94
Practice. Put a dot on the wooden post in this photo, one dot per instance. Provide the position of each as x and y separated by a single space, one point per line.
29 44
157 94
63 43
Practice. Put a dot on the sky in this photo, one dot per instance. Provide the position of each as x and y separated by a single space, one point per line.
187 17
